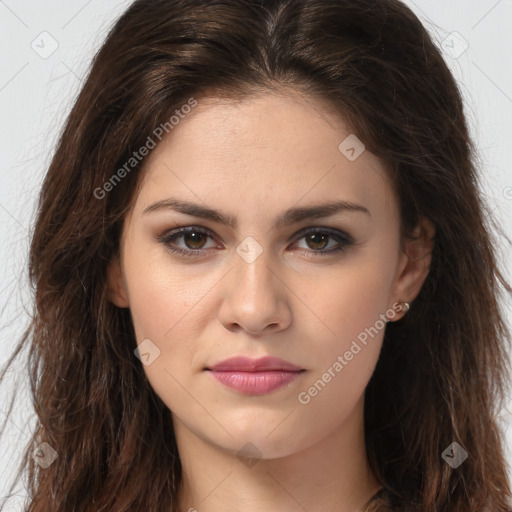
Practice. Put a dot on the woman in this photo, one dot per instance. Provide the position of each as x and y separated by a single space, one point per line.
264 275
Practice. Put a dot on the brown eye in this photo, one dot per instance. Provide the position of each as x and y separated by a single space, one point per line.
317 240
325 241
194 239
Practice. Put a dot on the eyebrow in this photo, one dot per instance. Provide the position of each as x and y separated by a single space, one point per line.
290 216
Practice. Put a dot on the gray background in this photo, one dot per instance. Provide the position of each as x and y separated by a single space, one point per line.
45 49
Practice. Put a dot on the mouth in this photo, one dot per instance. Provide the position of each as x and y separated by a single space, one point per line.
254 376
256 382
246 364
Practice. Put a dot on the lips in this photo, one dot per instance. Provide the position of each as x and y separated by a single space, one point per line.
246 364
255 376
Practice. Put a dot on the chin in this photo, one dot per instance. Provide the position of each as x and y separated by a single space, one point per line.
261 439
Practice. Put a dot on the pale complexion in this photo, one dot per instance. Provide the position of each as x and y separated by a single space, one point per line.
253 160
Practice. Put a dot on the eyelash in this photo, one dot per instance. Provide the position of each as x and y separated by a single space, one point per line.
344 239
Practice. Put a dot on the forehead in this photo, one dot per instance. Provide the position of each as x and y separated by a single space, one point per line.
268 150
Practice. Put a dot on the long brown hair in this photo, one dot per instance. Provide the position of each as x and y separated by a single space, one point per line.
441 376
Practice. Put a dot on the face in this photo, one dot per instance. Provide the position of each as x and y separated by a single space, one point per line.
311 289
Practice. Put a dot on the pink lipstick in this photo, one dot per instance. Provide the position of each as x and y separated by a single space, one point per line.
254 376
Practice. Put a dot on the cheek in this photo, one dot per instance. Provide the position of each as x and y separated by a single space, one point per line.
162 310
155 306
161 294
167 306
352 298
351 306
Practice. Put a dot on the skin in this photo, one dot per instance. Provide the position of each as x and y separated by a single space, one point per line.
253 160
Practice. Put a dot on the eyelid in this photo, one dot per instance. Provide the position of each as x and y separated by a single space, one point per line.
343 239
335 232
298 234
183 230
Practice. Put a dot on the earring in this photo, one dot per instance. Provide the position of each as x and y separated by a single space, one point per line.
406 305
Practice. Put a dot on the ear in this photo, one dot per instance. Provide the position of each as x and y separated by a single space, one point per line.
117 293
415 262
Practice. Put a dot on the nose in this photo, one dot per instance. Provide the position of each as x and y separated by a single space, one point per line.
256 298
